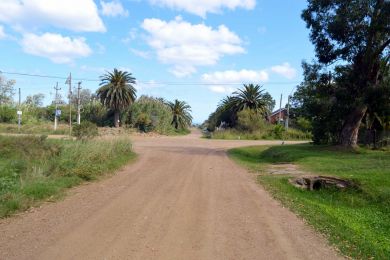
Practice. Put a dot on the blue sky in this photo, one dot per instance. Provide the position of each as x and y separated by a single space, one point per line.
194 50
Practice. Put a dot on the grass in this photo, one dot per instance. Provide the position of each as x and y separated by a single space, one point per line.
33 169
40 129
357 221
266 134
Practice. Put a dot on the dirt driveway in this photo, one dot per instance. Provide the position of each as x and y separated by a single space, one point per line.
182 199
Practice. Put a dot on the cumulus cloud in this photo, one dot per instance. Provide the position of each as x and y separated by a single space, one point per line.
55 47
186 46
75 15
139 53
222 89
113 9
285 70
236 76
2 33
222 79
202 7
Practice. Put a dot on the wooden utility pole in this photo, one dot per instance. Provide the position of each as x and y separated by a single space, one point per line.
19 111
56 111
78 103
280 109
288 112
69 81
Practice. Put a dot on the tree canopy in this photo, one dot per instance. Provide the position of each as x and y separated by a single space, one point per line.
351 40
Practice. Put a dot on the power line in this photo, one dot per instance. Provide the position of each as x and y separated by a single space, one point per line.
150 82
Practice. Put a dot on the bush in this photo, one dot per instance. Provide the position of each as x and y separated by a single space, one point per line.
86 130
143 122
250 120
7 114
150 114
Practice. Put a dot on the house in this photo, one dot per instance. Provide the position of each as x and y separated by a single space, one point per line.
274 117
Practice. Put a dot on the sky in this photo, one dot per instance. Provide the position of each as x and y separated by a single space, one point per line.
198 51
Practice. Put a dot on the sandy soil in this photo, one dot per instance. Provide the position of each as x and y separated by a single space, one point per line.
182 199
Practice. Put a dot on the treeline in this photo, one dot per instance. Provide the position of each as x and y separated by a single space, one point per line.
345 95
246 115
114 104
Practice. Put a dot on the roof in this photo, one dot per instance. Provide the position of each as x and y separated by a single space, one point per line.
278 111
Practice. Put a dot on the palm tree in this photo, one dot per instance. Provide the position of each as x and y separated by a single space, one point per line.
181 114
117 92
250 97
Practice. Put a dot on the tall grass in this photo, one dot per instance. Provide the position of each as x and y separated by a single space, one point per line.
269 133
38 128
33 169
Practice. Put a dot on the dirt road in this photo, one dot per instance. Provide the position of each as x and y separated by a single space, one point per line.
182 199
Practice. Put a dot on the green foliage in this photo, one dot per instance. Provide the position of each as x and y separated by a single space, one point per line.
85 130
143 122
117 91
278 131
251 97
7 114
34 168
150 114
181 114
355 220
265 132
355 34
96 113
250 120
303 124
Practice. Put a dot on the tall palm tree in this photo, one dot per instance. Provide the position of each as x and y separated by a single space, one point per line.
250 97
181 114
117 92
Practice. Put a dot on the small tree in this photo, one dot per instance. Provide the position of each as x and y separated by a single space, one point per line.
181 114
117 92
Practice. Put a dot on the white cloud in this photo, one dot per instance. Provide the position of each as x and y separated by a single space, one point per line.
186 46
222 89
285 70
75 15
222 79
55 47
113 8
150 84
236 76
2 33
139 53
202 7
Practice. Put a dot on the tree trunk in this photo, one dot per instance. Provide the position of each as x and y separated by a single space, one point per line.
350 131
116 119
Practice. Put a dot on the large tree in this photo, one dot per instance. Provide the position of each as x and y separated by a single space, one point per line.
354 36
181 114
117 92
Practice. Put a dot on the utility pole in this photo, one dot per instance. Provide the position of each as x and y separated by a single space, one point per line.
78 103
19 112
69 81
280 109
288 112
56 111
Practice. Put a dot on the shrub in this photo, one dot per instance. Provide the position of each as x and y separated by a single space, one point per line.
143 122
86 130
7 114
250 120
303 124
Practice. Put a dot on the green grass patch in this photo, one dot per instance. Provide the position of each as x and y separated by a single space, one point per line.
268 133
36 128
33 169
357 221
